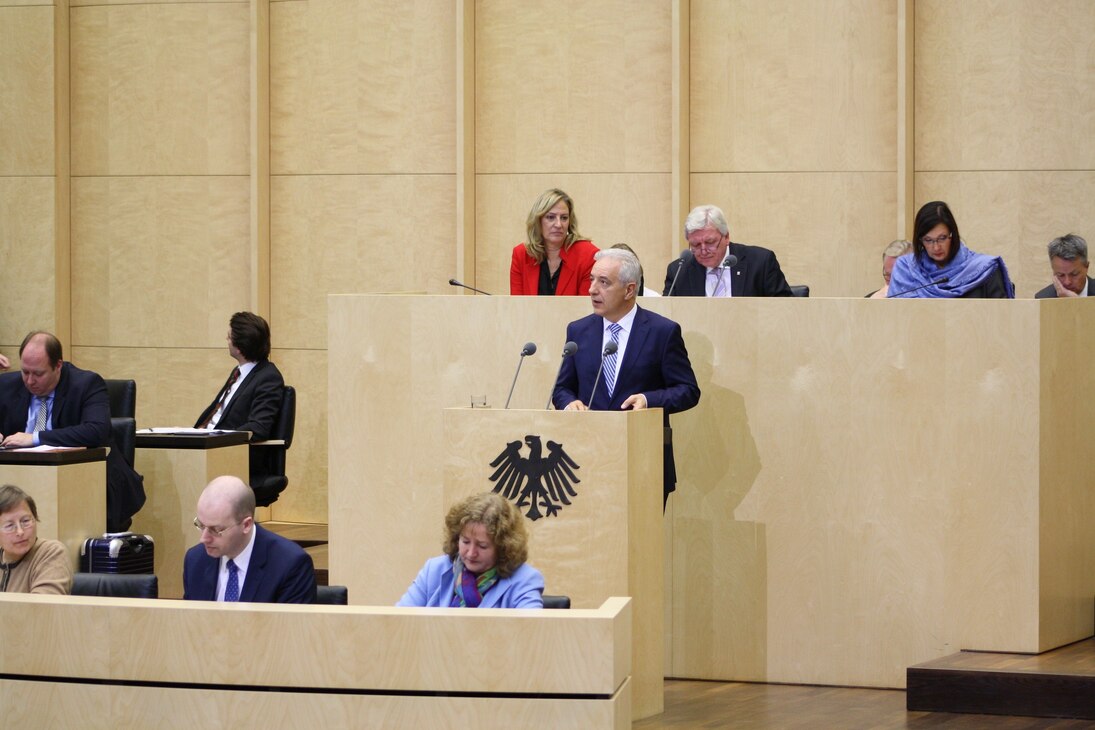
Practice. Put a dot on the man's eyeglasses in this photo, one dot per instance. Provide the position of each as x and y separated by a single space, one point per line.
9 527
705 245
215 531
936 241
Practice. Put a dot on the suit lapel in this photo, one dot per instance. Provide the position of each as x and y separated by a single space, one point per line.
60 398
256 567
737 273
247 384
207 578
494 595
636 341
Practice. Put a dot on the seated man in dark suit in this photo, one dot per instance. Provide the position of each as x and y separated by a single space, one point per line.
239 561
251 397
1068 259
708 273
650 368
55 403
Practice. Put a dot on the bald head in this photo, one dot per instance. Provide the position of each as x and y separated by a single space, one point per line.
226 508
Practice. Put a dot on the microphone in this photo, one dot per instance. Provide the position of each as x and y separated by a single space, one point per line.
454 282
940 280
685 257
569 349
528 349
729 262
610 348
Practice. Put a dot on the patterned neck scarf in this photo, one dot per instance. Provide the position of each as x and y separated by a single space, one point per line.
467 587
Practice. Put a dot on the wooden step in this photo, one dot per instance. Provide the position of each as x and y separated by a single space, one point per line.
1058 683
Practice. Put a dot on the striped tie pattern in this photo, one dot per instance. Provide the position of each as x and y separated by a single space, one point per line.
42 415
610 361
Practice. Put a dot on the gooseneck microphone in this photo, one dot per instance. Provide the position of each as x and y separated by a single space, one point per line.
528 349
569 349
729 262
940 280
685 258
454 282
610 348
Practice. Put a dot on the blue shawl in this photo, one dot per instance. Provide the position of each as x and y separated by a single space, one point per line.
966 271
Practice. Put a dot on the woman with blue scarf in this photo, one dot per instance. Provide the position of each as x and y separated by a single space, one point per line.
941 267
486 545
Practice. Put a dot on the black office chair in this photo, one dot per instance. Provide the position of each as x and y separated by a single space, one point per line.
116 585
123 414
332 595
800 290
556 601
268 478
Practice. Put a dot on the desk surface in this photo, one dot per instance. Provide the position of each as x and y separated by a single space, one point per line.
22 457
191 440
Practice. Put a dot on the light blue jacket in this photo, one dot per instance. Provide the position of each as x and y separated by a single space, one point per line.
433 587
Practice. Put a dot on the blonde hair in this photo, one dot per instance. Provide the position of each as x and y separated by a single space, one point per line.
534 244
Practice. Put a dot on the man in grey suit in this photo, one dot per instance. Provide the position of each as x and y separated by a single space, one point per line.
1068 259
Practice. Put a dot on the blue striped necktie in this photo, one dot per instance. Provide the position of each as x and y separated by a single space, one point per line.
232 589
610 361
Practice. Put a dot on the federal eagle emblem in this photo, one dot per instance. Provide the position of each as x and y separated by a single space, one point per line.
536 482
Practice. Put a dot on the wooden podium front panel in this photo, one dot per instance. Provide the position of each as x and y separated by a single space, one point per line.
71 500
609 540
173 481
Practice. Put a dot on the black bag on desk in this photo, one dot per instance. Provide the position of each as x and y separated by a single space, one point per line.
117 552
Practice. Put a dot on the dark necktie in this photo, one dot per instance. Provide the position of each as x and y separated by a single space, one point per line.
222 397
232 589
610 361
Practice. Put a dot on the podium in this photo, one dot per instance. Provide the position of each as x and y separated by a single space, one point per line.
176 469
69 489
608 540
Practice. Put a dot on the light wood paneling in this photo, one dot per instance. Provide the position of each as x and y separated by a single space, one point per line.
827 229
860 489
160 89
348 234
1005 85
573 86
363 87
305 499
26 92
27 273
789 85
1016 214
633 209
162 262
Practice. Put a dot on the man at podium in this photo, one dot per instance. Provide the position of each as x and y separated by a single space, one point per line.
627 358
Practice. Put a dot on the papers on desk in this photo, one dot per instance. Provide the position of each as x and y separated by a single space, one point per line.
43 447
182 431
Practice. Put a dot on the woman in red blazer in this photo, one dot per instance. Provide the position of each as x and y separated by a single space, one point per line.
556 260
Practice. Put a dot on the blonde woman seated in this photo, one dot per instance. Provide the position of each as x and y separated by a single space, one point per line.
486 545
28 565
555 260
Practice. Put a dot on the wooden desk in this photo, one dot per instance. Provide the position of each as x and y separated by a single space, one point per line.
176 469
69 489
113 662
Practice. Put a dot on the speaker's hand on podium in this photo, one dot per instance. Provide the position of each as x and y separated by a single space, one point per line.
636 402
576 405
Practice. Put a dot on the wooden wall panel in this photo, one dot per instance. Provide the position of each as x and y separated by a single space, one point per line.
343 234
305 499
1016 214
26 92
26 272
792 85
573 86
1005 85
827 229
160 89
160 262
629 208
362 87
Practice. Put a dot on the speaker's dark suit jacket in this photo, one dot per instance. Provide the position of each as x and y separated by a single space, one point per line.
1050 292
255 405
81 417
279 572
756 274
655 364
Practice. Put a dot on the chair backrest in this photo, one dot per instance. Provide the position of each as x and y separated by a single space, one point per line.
116 585
124 433
800 290
123 398
268 459
556 601
332 595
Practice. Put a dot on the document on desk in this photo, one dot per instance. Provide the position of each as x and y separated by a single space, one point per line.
44 447
184 431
